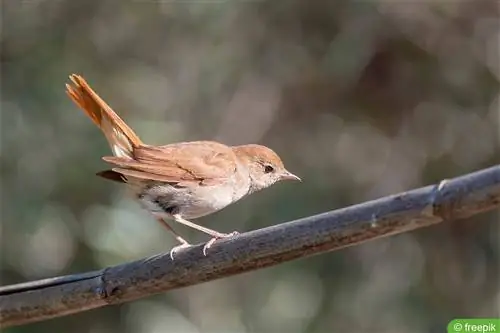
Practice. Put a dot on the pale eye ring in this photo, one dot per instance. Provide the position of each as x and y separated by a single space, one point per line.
268 168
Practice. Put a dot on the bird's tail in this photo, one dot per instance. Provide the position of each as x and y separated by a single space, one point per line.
121 138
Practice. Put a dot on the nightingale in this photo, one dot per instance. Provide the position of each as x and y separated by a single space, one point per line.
179 181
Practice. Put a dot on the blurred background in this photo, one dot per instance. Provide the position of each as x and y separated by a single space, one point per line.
361 99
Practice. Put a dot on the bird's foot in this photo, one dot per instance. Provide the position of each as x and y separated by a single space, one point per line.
177 248
214 239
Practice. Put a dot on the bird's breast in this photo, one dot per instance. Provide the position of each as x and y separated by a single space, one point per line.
209 199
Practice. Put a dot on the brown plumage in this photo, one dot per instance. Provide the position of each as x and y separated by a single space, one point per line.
183 180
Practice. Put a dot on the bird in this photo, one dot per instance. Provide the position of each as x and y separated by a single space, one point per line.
179 181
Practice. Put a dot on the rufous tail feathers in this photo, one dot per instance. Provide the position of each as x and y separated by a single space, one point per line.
121 138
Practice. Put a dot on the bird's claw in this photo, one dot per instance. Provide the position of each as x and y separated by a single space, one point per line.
177 248
214 239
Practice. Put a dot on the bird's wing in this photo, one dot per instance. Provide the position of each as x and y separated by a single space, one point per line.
204 162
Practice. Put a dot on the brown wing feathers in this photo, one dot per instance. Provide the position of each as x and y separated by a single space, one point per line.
178 163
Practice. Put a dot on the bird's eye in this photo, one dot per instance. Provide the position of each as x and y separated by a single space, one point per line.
268 168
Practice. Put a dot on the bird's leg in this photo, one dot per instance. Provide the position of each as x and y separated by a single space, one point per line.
183 243
215 234
208 231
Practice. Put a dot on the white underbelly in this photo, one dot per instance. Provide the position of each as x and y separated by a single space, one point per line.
190 203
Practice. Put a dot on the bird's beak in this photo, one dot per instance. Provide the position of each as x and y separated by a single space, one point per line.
286 175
